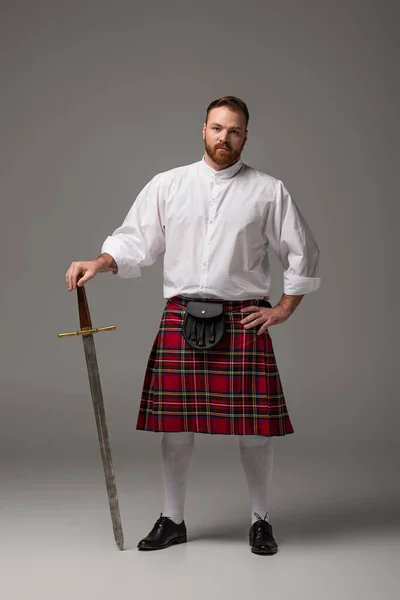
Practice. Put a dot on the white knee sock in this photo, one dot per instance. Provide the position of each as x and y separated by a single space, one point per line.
256 455
177 451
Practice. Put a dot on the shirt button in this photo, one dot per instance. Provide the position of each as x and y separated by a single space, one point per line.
211 221
208 242
205 264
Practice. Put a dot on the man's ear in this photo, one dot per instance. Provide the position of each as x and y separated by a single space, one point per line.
204 131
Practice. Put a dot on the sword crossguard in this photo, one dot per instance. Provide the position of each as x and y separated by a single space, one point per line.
87 331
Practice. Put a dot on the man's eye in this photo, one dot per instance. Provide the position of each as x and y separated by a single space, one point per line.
216 128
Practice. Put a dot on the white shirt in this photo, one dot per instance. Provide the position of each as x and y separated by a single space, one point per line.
213 229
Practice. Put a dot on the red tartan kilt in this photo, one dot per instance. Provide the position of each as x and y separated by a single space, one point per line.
234 388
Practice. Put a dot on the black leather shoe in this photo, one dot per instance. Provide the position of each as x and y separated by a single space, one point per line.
261 539
164 533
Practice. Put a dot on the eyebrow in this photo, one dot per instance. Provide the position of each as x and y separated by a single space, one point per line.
233 126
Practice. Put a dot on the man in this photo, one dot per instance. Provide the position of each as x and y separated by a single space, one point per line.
212 367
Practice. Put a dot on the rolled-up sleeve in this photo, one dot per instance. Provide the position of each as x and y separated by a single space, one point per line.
140 240
292 241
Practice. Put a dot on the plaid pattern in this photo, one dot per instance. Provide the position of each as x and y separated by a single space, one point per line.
234 388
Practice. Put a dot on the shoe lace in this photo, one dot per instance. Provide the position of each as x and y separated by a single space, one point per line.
158 527
262 522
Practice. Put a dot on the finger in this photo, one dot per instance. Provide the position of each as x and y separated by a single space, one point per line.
77 269
262 329
72 280
249 309
250 317
68 279
81 282
88 275
254 323
248 320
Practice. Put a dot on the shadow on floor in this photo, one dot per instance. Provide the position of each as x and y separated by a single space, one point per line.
336 520
340 520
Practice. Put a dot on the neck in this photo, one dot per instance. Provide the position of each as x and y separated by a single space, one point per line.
215 166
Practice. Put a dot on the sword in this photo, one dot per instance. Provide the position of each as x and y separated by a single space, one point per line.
87 331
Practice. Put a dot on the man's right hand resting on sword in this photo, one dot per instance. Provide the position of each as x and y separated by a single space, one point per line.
81 271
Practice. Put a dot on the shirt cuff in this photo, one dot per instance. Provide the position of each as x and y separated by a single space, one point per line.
126 268
296 285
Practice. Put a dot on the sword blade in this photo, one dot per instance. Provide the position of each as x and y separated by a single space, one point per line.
102 432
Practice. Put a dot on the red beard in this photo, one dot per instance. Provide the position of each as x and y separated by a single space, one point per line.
220 157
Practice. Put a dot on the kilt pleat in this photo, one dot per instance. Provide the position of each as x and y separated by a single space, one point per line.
233 389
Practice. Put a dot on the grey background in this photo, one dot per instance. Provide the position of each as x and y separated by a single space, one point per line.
97 97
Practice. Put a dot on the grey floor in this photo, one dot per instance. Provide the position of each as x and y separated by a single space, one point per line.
335 513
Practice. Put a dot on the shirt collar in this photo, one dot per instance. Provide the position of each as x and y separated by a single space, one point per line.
227 173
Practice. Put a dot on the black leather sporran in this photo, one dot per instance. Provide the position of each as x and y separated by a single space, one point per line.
204 324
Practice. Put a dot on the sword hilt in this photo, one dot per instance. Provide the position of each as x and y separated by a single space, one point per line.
84 317
87 331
